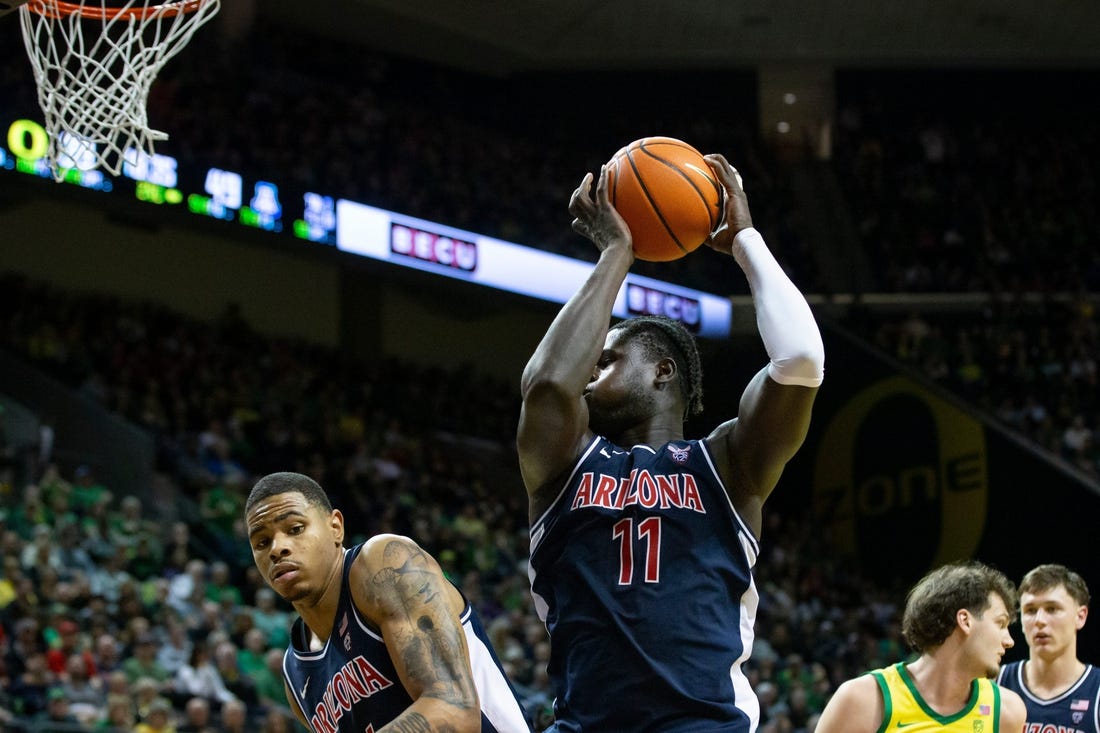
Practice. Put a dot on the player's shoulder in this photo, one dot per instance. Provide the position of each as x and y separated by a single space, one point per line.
863 686
381 561
1008 672
388 550
1013 710
722 430
857 705
860 692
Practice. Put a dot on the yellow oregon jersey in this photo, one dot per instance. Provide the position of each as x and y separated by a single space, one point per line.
907 712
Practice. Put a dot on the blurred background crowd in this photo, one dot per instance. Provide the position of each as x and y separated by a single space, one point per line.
123 612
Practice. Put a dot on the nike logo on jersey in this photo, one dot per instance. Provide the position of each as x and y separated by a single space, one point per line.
305 686
902 725
604 453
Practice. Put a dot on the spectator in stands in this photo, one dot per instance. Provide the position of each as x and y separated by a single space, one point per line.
87 490
25 643
175 650
226 660
29 688
41 553
196 717
234 717
177 552
74 557
85 694
270 692
200 678
110 577
30 513
57 715
158 719
271 619
188 589
145 562
251 657
69 644
146 691
129 525
220 586
143 662
120 713
278 721
10 575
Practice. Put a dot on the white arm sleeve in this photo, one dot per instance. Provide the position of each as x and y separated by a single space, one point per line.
786 325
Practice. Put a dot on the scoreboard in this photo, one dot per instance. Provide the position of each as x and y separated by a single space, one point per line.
220 193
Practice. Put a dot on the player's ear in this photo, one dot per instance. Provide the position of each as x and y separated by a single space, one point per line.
963 619
1082 616
665 370
336 525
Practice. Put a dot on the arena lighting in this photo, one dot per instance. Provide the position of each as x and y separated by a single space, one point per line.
431 247
357 229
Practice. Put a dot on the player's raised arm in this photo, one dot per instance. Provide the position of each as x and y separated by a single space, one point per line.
401 588
774 412
554 417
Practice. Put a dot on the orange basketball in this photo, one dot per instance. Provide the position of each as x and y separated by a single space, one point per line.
667 194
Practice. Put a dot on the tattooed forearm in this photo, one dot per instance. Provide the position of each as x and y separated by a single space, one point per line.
436 657
409 723
429 642
415 723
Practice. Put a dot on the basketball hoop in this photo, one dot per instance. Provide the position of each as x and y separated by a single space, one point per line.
94 64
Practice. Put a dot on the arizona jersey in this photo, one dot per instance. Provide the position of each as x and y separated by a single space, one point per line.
351 684
1077 710
641 570
905 708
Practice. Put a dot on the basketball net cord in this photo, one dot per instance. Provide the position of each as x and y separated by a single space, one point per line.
94 65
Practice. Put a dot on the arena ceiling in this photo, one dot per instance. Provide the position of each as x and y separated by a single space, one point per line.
506 36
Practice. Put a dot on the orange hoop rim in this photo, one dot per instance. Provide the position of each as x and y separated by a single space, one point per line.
57 9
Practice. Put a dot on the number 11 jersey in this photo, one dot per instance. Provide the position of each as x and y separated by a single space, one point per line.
641 569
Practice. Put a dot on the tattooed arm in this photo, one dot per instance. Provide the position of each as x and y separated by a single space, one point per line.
401 588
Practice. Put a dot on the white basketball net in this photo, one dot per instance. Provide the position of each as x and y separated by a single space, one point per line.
94 66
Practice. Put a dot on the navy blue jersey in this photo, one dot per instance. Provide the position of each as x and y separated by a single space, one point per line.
642 571
1077 710
351 685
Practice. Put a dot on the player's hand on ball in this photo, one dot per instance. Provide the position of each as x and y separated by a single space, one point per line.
735 210
595 217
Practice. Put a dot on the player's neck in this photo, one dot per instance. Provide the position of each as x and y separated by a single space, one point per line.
319 612
1050 676
941 681
651 433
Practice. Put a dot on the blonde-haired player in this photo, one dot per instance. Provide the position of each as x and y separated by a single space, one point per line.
1061 692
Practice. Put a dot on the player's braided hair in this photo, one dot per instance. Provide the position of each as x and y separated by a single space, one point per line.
661 336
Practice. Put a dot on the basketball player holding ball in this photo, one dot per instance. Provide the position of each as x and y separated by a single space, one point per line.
643 541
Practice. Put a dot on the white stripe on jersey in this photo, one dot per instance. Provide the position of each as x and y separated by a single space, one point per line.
498 703
747 702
